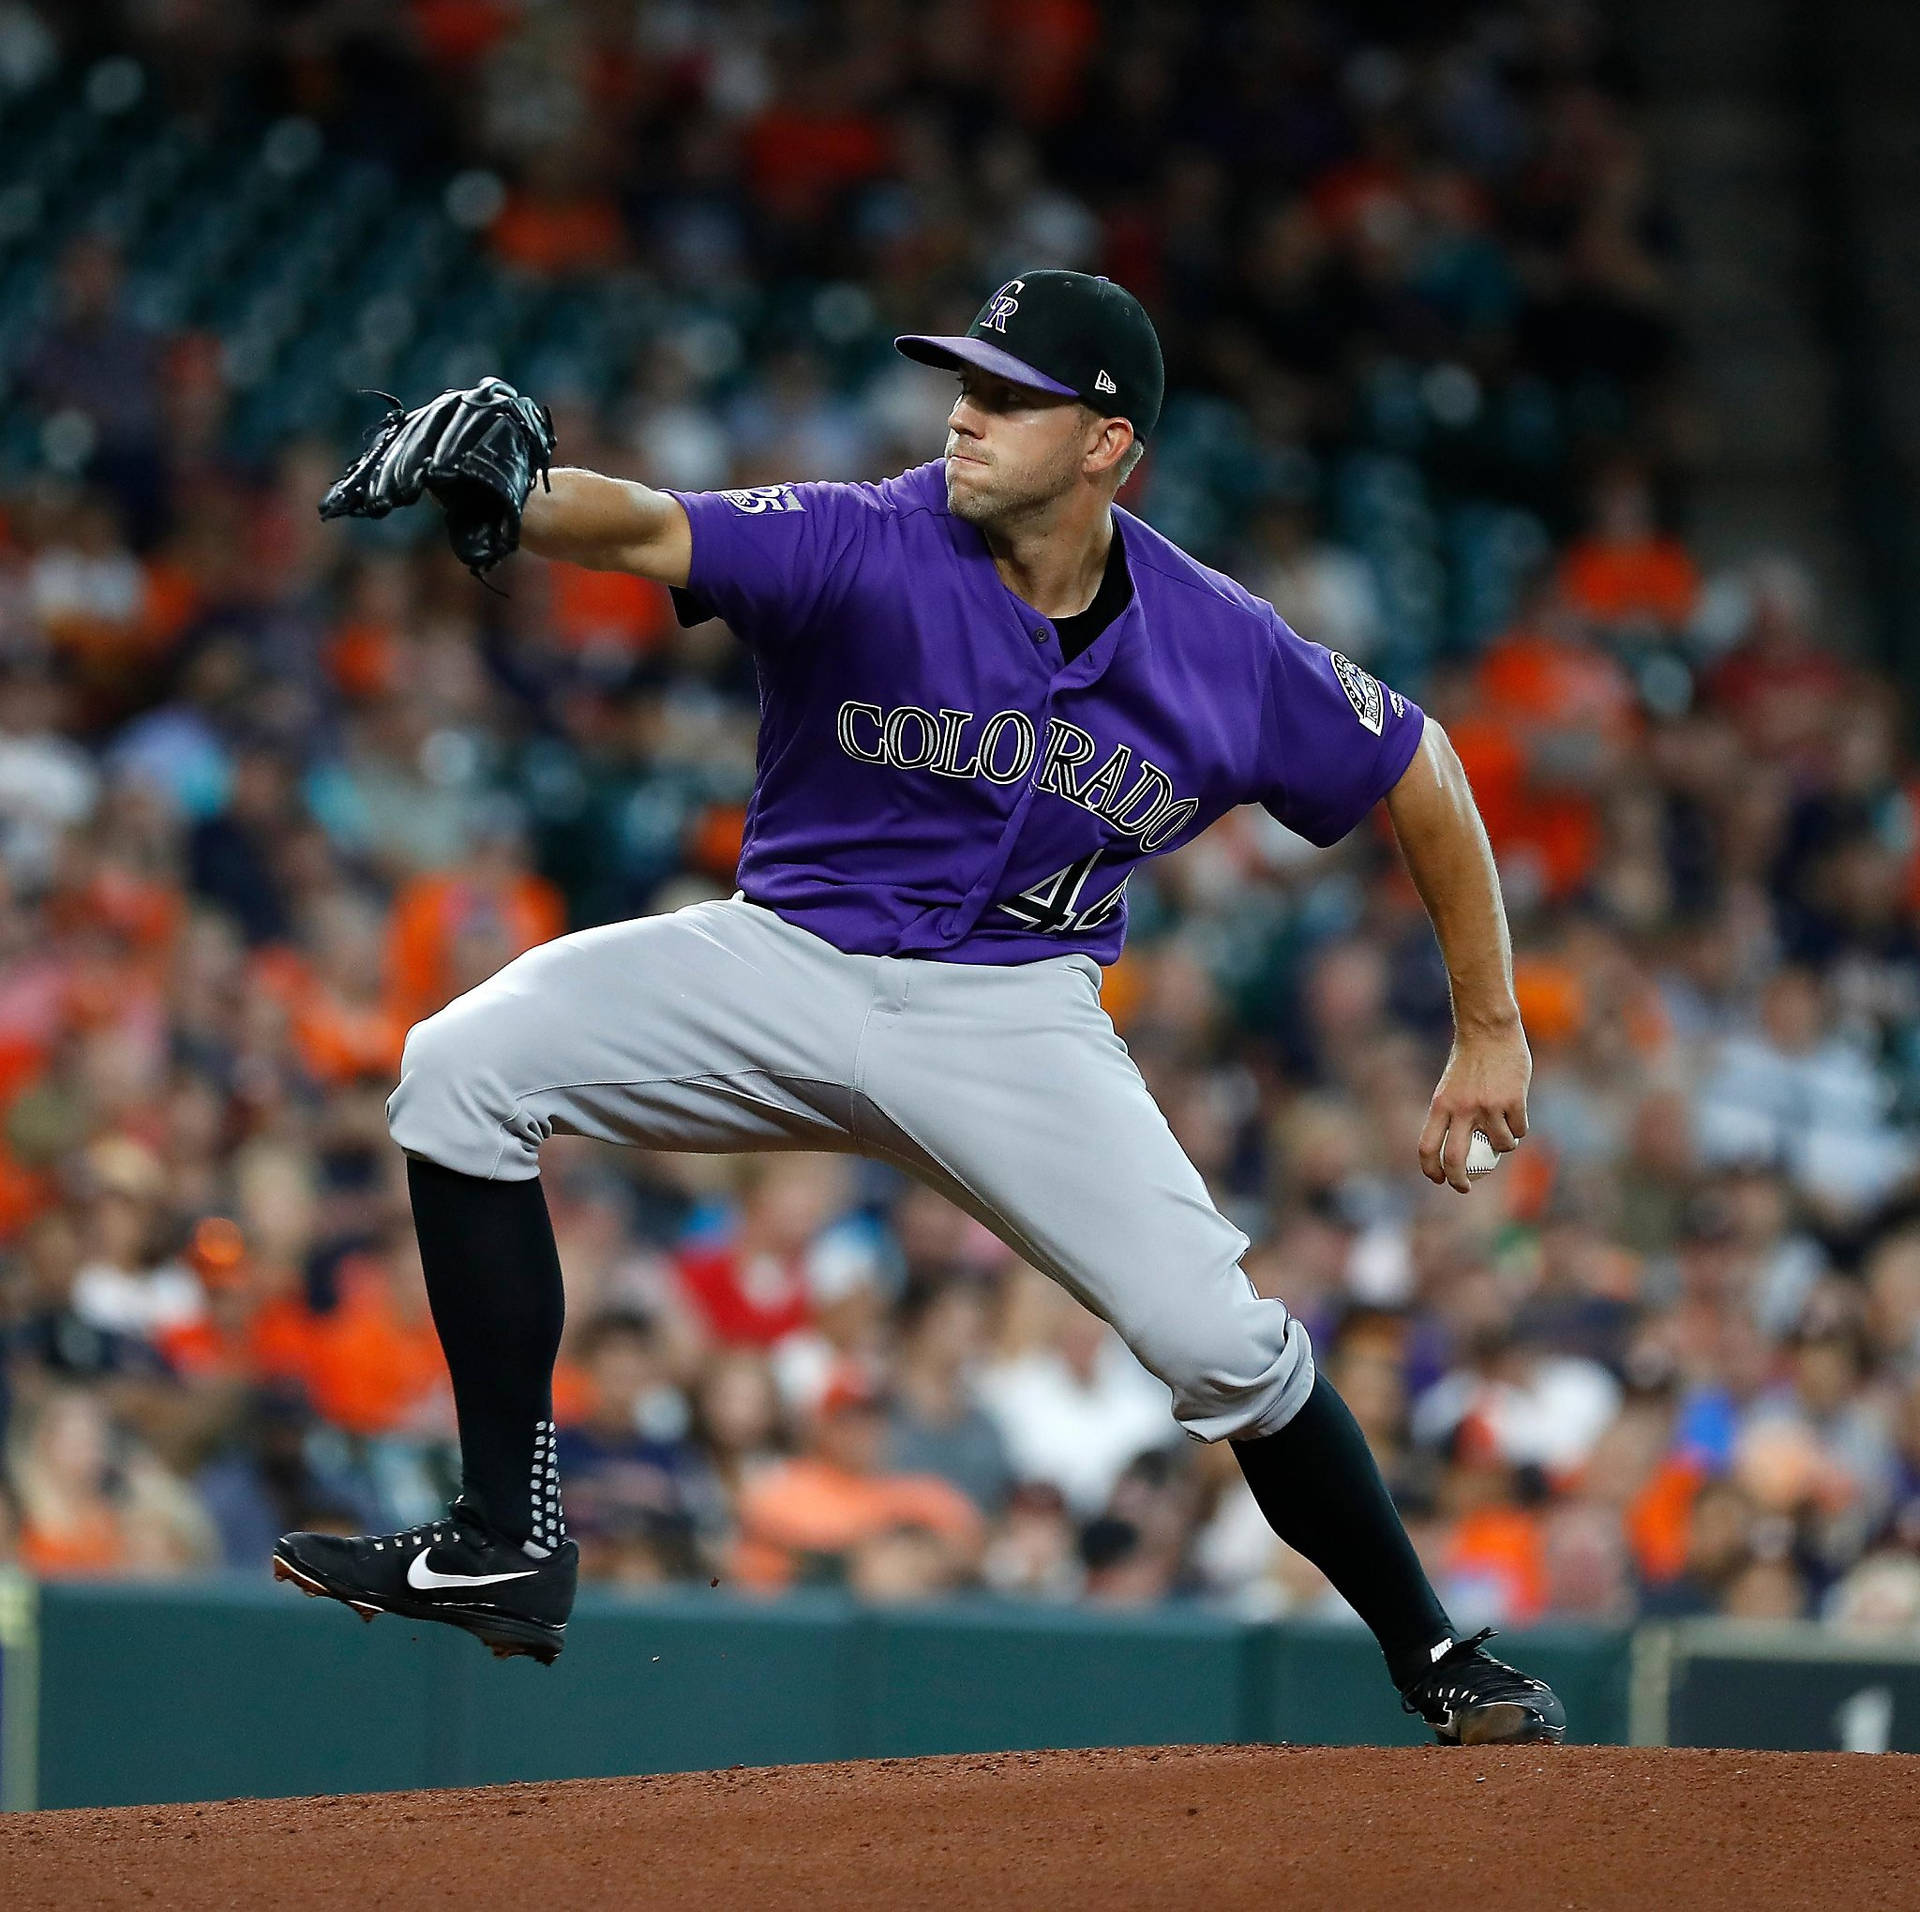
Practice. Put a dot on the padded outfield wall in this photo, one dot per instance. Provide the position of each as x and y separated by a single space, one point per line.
118 1694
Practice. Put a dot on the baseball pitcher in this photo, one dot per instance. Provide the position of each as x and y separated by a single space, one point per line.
987 694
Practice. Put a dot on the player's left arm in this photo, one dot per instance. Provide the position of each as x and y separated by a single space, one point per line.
1484 1085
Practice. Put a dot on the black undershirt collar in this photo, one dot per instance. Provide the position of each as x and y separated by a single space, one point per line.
1113 597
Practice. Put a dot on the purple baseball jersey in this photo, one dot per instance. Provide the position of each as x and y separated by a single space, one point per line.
934 781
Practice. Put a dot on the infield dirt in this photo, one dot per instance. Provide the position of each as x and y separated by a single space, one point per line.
1216 1829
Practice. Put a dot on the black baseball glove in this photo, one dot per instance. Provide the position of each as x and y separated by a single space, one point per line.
477 451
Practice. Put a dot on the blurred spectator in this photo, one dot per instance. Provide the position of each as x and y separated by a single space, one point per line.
1797 1095
1565 708
1718 1525
1768 1586
89 1509
1535 1408
1318 588
1072 1406
94 366
636 1485
1626 576
736 1419
1135 1551
454 927
1778 684
232 853
934 1424
48 783
262 1482
1033 1553
1880 1595
373 1365
121 1286
805 1517
1493 1564
750 1287
344 1020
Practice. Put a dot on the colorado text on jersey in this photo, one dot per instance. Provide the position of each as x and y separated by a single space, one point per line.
1002 751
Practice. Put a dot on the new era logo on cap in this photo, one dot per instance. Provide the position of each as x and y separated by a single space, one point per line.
1104 383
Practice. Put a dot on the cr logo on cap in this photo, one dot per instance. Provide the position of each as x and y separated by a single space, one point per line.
1003 306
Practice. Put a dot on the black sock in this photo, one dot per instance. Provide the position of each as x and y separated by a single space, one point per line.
493 1281
1317 1484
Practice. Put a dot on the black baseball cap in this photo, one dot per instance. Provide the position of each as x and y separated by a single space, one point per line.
1065 332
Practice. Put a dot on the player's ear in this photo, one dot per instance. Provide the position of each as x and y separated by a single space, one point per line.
1108 449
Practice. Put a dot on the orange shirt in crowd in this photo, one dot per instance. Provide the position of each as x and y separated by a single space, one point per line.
1617 581
273 1343
279 1339
810 1506
547 234
143 912
606 610
1502 1545
713 841
574 1398
432 911
1496 768
1532 685
170 603
1660 1520
363 659
1552 998
98 644
370 1368
338 1041
90 1544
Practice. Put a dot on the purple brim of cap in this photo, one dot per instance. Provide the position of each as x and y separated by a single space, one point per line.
978 353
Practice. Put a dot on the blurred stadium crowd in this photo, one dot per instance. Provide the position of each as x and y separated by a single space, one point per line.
270 792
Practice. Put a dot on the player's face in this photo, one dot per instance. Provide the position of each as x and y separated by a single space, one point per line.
1011 449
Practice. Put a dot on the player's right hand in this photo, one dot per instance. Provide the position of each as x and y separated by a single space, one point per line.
1484 1087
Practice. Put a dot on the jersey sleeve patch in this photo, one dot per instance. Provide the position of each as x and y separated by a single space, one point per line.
1363 693
755 499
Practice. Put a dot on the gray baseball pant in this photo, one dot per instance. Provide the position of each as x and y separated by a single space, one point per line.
723 1027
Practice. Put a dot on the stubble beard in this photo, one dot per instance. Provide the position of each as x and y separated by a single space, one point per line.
1001 506
971 507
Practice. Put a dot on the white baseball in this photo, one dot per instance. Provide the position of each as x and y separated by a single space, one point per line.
1482 1157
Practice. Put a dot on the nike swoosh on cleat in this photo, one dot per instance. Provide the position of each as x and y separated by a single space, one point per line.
423 1577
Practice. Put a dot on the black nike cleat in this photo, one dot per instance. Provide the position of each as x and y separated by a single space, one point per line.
452 1570
1472 1699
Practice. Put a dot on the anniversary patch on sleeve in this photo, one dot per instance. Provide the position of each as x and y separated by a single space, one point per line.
1363 692
755 499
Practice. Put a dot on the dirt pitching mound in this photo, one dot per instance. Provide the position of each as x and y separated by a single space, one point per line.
1213 1828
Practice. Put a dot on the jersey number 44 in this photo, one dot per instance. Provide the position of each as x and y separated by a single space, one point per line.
1053 904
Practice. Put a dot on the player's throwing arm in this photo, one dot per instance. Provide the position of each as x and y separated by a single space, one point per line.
1483 1090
